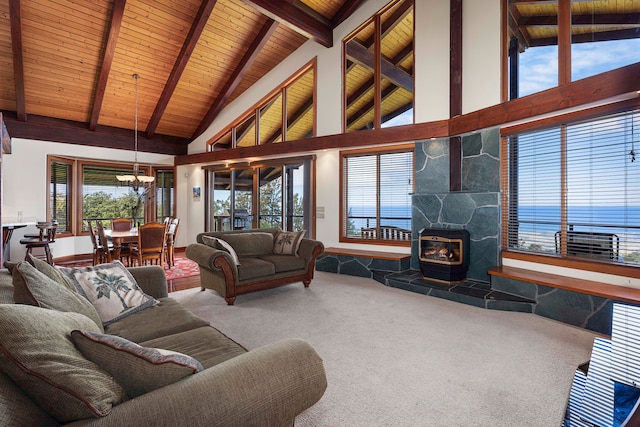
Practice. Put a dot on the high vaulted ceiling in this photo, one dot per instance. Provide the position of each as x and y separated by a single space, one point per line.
66 66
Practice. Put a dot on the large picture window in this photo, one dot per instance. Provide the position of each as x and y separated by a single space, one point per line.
376 188
80 190
104 198
574 190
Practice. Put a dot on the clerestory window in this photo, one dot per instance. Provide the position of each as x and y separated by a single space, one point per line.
378 70
287 114
552 43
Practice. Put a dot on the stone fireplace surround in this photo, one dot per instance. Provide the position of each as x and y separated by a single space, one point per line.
476 208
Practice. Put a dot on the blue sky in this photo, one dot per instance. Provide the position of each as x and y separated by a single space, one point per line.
539 65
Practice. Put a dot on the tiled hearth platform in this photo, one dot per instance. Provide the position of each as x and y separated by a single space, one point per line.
470 292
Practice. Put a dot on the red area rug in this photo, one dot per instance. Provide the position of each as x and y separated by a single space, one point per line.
183 267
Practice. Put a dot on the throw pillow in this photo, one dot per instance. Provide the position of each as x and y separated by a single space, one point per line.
214 242
287 242
111 289
138 369
37 353
50 271
32 287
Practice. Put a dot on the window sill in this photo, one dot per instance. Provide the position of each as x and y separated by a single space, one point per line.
575 263
377 242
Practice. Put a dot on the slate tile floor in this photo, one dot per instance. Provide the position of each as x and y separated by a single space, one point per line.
472 292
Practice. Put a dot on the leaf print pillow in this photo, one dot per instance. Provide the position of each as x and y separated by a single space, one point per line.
287 242
111 289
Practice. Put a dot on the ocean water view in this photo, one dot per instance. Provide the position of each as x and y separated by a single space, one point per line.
365 216
538 227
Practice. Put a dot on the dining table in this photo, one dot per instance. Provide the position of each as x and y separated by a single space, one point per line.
120 237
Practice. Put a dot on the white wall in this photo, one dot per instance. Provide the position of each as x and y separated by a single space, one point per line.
25 181
431 90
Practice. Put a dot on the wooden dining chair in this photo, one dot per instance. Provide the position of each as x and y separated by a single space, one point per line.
97 251
172 235
151 243
105 247
121 224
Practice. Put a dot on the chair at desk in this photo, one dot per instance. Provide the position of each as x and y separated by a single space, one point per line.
172 235
151 243
46 236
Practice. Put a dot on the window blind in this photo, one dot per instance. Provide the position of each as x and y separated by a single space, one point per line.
574 190
60 195
377 192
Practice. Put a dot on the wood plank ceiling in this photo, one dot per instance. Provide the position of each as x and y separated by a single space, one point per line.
66 66
535 22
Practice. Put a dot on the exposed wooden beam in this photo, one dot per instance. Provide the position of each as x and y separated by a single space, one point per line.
591 37
107 60
366 86
252 52
390 22
295 118
346 11
365 109
15 18
296 19
206 7
390 135
632 19
455 91
70 132
358 53
588 90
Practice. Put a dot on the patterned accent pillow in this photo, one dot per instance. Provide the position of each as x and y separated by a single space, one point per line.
111 289
216 243
37 353
138 369
287 242
32 287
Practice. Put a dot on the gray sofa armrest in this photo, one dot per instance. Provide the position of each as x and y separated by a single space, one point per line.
308 246
267 386
151 279
205 256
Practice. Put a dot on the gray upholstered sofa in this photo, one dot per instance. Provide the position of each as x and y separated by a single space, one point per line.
241 261
267 386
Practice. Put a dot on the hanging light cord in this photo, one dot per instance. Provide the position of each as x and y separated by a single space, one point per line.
632 153
135 135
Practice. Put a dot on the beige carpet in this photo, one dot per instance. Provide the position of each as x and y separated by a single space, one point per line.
396 358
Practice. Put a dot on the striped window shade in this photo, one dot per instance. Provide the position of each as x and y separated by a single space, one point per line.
574 190
625 350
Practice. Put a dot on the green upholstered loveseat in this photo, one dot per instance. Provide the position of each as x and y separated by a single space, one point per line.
266 386
255 264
